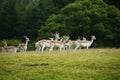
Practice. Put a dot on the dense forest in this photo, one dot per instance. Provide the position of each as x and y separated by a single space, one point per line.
76 18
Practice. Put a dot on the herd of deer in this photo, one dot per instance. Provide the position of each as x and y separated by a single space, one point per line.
61 43
21 47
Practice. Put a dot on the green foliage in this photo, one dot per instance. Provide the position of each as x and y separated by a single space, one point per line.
86 18
113 2
31 46
92 64
25 17
10 42
60 3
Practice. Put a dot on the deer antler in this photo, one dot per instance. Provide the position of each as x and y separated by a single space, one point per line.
25 37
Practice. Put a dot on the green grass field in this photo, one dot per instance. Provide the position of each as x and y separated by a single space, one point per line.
92 64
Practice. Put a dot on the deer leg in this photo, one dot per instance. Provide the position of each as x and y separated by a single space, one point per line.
76 47
87 47
43 48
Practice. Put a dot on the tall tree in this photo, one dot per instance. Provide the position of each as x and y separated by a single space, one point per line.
86 18
25 17
7 19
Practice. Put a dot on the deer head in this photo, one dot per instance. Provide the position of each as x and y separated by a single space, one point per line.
56 35
93 37
27 39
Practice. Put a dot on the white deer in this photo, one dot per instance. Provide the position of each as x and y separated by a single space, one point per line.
23 46
56 36
86 43
69 44
72 43
42 44
38 46
60 44
78 42
7 48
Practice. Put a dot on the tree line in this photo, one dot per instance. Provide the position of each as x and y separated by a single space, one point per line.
76 18
25 17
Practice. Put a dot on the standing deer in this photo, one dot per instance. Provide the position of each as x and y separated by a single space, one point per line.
86 43
60 44
38 46
23 46
78 42
42 44
72 43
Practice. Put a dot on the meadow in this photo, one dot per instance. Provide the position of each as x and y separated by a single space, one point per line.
92 64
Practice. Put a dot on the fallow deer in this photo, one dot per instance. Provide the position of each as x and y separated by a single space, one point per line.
23 46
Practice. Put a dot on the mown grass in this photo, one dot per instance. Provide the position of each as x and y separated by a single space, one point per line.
92 64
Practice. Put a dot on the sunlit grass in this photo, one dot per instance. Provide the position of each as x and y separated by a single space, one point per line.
92 64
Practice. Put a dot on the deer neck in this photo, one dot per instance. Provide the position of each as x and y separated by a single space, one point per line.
61 40
26 43
92 40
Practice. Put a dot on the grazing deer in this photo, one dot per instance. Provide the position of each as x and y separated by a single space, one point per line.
7 48
86 43
23 46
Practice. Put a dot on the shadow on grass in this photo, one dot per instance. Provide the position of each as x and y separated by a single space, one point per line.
33 65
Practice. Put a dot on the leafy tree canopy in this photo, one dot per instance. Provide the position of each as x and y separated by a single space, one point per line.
86 18
25 17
